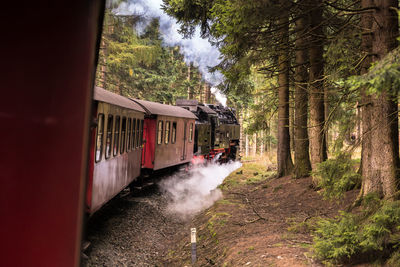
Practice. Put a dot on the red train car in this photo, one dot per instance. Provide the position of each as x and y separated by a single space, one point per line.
116 147
47 79
168 135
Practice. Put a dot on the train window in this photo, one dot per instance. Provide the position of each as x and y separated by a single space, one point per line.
110 121
133 133
191 132
123 134
129 135
167 129
141 131
99 139
137 132
173 133
116 135
159 132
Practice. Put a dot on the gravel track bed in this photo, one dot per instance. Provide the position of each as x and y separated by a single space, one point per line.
133 230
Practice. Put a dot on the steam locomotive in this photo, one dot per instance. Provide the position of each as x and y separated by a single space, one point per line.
131 137
217 130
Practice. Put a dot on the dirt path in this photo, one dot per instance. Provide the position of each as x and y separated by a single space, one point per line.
260 221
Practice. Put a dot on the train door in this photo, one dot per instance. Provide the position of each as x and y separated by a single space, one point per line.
184 141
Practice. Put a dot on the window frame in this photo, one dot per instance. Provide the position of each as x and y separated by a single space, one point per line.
191 132
137 133
160 132
123 136
173 132
109 134
117 128
100 118
167 132
133 133
128 134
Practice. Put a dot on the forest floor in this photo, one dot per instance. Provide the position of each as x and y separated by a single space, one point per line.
259 221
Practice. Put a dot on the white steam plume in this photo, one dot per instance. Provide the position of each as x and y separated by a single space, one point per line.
197 190
196 50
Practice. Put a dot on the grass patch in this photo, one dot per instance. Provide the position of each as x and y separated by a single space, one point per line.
226 202
218 219
250 173
303 227
277 188
278 245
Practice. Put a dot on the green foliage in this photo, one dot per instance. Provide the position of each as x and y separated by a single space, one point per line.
384 75
139 66
337 240
336 176
377 231
372 233
394 259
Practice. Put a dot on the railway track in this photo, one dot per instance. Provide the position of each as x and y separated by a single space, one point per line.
139 229
132 230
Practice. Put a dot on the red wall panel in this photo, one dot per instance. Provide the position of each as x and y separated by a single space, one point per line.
47 69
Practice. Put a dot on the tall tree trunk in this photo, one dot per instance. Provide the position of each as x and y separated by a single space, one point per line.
207 93
262 146
326 115
317 114
291 120
366 149
247 145
241 115
301 149
285 164
380 156
254 144
200 91
190 89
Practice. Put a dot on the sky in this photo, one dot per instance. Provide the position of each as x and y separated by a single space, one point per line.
196 50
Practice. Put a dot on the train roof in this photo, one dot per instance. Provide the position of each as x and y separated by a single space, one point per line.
207 110
106 96
153 108
193 105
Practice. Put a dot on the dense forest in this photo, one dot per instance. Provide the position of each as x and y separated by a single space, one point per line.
314 82
139 66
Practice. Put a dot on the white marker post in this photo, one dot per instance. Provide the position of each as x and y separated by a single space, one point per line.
193 241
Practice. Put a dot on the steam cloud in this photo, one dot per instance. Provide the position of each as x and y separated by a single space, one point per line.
196 190
196 50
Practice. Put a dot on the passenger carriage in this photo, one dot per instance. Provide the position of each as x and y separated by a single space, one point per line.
168 134
116 148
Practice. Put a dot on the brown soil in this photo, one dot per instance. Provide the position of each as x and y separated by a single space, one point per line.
259 222
265 223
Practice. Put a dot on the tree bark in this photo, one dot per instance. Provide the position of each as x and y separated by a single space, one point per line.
241 130
380 151
254 152
247 145
190 89
317 114
291 120
285 164
301 149
262 146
